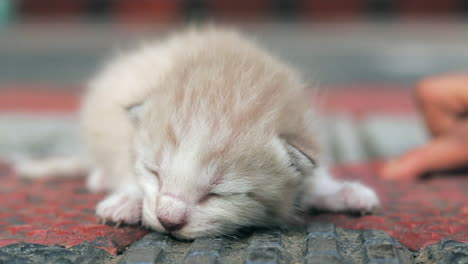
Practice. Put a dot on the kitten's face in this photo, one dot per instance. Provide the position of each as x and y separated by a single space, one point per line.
192 191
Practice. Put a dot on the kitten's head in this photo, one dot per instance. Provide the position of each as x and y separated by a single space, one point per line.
201 178
223 141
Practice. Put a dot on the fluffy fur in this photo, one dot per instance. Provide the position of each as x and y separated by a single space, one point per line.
204 133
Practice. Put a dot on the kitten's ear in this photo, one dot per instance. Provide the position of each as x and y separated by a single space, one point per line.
302 153
135 111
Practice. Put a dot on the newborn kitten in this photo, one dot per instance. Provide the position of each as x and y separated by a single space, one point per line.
204 133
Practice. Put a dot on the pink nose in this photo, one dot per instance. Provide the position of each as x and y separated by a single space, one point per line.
171 225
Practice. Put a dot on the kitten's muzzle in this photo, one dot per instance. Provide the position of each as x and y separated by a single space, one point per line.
172 213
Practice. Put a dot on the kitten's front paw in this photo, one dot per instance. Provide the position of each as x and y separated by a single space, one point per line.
120 208
357 197
347 197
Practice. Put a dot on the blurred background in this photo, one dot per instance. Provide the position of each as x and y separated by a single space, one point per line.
366 54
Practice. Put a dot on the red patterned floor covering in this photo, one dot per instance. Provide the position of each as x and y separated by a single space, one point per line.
418 214
359 100
55 212
61 211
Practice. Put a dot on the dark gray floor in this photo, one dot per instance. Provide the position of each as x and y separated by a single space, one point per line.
321 243
396 52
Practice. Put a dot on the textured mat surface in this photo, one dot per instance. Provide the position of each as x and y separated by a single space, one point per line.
61 212
55 212
418 214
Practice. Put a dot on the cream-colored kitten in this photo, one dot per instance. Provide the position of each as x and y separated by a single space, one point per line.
204 133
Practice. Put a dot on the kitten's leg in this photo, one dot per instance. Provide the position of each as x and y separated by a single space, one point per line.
324 192
51 167
123 205
96 181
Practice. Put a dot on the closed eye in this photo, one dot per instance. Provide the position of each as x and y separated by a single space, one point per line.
210 196
221 195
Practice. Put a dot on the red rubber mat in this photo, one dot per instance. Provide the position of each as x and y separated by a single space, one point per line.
61 211
55 212
418 214
357 100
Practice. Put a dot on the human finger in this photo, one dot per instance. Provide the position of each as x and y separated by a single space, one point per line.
444 101
440 154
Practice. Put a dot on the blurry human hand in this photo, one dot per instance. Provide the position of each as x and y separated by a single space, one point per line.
444 105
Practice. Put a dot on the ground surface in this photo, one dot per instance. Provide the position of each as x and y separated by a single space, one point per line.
59 213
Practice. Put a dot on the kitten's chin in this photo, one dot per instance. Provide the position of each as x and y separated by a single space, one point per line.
193 234
189 233
186 236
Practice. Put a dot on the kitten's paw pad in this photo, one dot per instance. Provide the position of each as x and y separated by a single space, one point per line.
119 208
358 198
